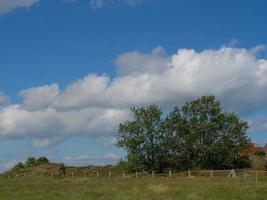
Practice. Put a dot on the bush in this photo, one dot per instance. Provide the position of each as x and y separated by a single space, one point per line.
42 161
260 154
62 169
18 166
30 162
242 162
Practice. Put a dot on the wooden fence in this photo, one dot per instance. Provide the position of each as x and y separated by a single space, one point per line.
190 174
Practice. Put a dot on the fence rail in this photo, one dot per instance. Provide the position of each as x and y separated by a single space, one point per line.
234 173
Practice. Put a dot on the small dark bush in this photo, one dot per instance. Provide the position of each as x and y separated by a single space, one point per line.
18 166
260 154
42 160
62 169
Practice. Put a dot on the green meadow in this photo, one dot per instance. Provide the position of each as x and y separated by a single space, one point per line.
217 188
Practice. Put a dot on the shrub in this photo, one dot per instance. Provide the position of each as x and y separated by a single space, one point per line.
18 166
260 154
42 160
242 162
62 169
30 162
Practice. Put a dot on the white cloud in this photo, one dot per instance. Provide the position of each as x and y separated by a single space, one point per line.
234 75
96 104
4 100
104 3
39 97
89 91
135 62
9 5
16 122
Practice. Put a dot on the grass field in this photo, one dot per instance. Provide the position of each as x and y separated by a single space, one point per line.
133 189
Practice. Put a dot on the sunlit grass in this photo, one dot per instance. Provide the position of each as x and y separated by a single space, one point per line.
136 189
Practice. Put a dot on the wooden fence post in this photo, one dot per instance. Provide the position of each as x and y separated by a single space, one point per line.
8 177
97 174
84 174
110 175
189 173
232 174
170 173
136 174
72 175
211 173
153 174
123 174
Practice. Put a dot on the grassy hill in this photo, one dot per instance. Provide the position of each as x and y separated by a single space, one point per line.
51 170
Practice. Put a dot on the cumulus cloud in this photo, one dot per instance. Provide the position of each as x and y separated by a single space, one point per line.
16 122
39 97
4 100
96 104
9 5
104 3
234 75
135 62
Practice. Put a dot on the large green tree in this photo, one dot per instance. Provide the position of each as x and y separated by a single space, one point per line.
141 138
205 136
198 135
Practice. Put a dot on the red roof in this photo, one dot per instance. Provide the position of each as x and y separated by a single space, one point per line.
253 148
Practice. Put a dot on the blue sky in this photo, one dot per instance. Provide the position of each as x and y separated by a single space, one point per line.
86 62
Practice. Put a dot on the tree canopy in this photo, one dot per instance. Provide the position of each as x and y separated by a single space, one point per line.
198 135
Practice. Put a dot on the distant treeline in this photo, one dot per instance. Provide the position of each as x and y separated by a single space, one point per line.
198 135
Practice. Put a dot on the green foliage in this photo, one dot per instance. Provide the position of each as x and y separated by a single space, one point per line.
18 167
199 135
62 169
30 162
242 162
42 161
141 139
260 154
